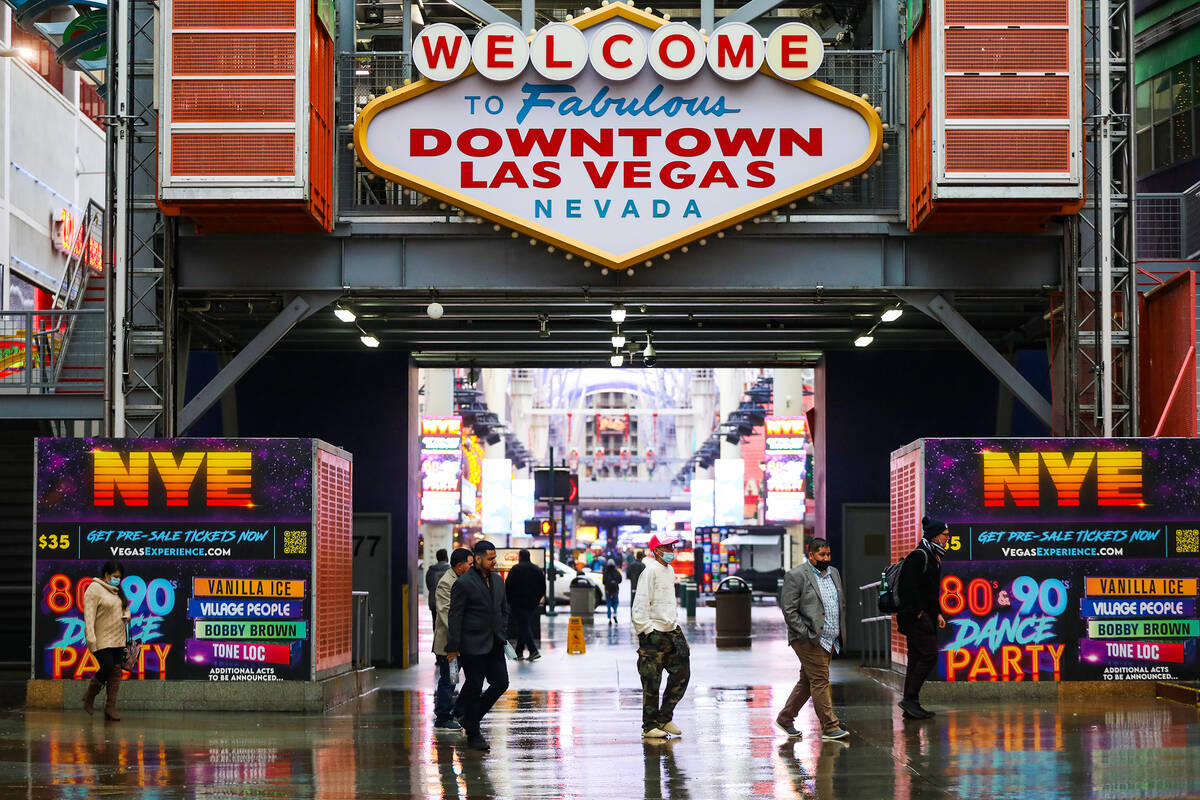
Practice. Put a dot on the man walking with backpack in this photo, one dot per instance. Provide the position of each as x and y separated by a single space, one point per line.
920 614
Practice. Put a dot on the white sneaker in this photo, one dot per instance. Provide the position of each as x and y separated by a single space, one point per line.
655 733
672 729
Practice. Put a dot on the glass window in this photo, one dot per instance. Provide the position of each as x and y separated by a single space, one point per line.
1183 137
1142 106
1162 144
1181 87
22 295
1144 153
1160 101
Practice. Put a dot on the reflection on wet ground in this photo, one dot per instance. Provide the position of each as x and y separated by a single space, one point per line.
569 729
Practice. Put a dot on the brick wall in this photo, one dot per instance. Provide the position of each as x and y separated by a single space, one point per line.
906 505
332 608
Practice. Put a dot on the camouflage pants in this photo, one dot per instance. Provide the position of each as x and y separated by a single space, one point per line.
657 652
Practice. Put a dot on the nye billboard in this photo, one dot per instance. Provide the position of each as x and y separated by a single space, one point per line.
1069 559
216 540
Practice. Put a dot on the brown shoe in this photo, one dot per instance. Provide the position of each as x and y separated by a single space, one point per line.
89 696
110 700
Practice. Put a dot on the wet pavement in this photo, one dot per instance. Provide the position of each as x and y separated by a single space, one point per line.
569 728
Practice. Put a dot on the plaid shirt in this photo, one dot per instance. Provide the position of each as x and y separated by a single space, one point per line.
829 598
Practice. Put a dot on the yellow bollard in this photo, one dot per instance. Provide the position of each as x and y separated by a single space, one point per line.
575 643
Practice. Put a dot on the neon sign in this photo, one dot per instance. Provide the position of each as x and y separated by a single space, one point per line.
68 239
1118 477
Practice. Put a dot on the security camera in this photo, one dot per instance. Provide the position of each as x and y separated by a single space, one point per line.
649 356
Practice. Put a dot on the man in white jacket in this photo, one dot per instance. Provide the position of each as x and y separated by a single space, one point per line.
661 645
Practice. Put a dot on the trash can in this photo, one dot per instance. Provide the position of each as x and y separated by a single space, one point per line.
583 599
733 596
689 599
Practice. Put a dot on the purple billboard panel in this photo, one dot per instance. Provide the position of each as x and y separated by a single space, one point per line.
1069 559
185 518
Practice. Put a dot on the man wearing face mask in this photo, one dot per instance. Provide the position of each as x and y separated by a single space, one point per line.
920 613
814 607
661 646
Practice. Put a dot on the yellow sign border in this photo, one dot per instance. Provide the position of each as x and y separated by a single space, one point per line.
575 246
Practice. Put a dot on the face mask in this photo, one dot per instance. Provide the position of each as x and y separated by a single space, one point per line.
668 557
822 565
114 581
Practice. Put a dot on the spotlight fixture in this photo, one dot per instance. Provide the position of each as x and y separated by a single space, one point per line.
543 326
649 355
369 340
344 314
892 314
616 359
617 313
373 13
864 340
434 310
618 339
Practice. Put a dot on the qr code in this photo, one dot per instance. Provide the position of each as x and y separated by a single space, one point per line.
1187 541
295 543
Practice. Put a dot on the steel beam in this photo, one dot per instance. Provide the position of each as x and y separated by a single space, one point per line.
937 307
300 309
51 406
752 10
485 11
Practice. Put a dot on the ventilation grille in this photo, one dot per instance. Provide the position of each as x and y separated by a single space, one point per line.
1008 151
1009 12
233 154
233 101
1006 50
233 54
233 14
1007 97
332 609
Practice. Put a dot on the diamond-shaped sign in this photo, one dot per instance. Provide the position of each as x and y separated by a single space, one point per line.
618 171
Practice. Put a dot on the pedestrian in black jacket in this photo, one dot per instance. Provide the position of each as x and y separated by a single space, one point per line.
433 574
634 571
920 614
525 587
478 624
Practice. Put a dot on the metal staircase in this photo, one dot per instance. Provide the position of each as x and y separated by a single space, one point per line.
78 338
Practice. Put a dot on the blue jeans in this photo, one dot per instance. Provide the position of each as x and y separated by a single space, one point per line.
446 701
610 600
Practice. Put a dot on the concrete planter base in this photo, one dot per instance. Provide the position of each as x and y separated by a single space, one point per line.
154 695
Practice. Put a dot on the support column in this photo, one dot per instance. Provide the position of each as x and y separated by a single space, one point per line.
494 385
521 406
703 404
439 401
789 402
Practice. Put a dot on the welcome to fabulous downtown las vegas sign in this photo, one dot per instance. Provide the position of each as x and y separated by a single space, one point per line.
620 135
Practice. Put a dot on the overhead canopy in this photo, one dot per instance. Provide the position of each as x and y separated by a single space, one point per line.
753 539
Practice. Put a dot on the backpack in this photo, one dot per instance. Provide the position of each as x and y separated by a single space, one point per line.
889 587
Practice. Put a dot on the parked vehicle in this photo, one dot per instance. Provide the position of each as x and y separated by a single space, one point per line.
563 575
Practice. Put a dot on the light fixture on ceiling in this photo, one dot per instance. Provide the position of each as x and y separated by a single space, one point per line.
344 314
617 313
434 310
616 359
618 339
892 314
373 13
864 340
369 340
543 326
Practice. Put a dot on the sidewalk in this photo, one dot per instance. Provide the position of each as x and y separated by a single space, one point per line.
569 728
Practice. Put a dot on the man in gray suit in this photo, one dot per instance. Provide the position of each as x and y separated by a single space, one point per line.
814 607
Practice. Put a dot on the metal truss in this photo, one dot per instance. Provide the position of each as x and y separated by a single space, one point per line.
1100 297
140 240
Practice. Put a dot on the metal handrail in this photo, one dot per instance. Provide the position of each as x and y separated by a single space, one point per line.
34 345
877 629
